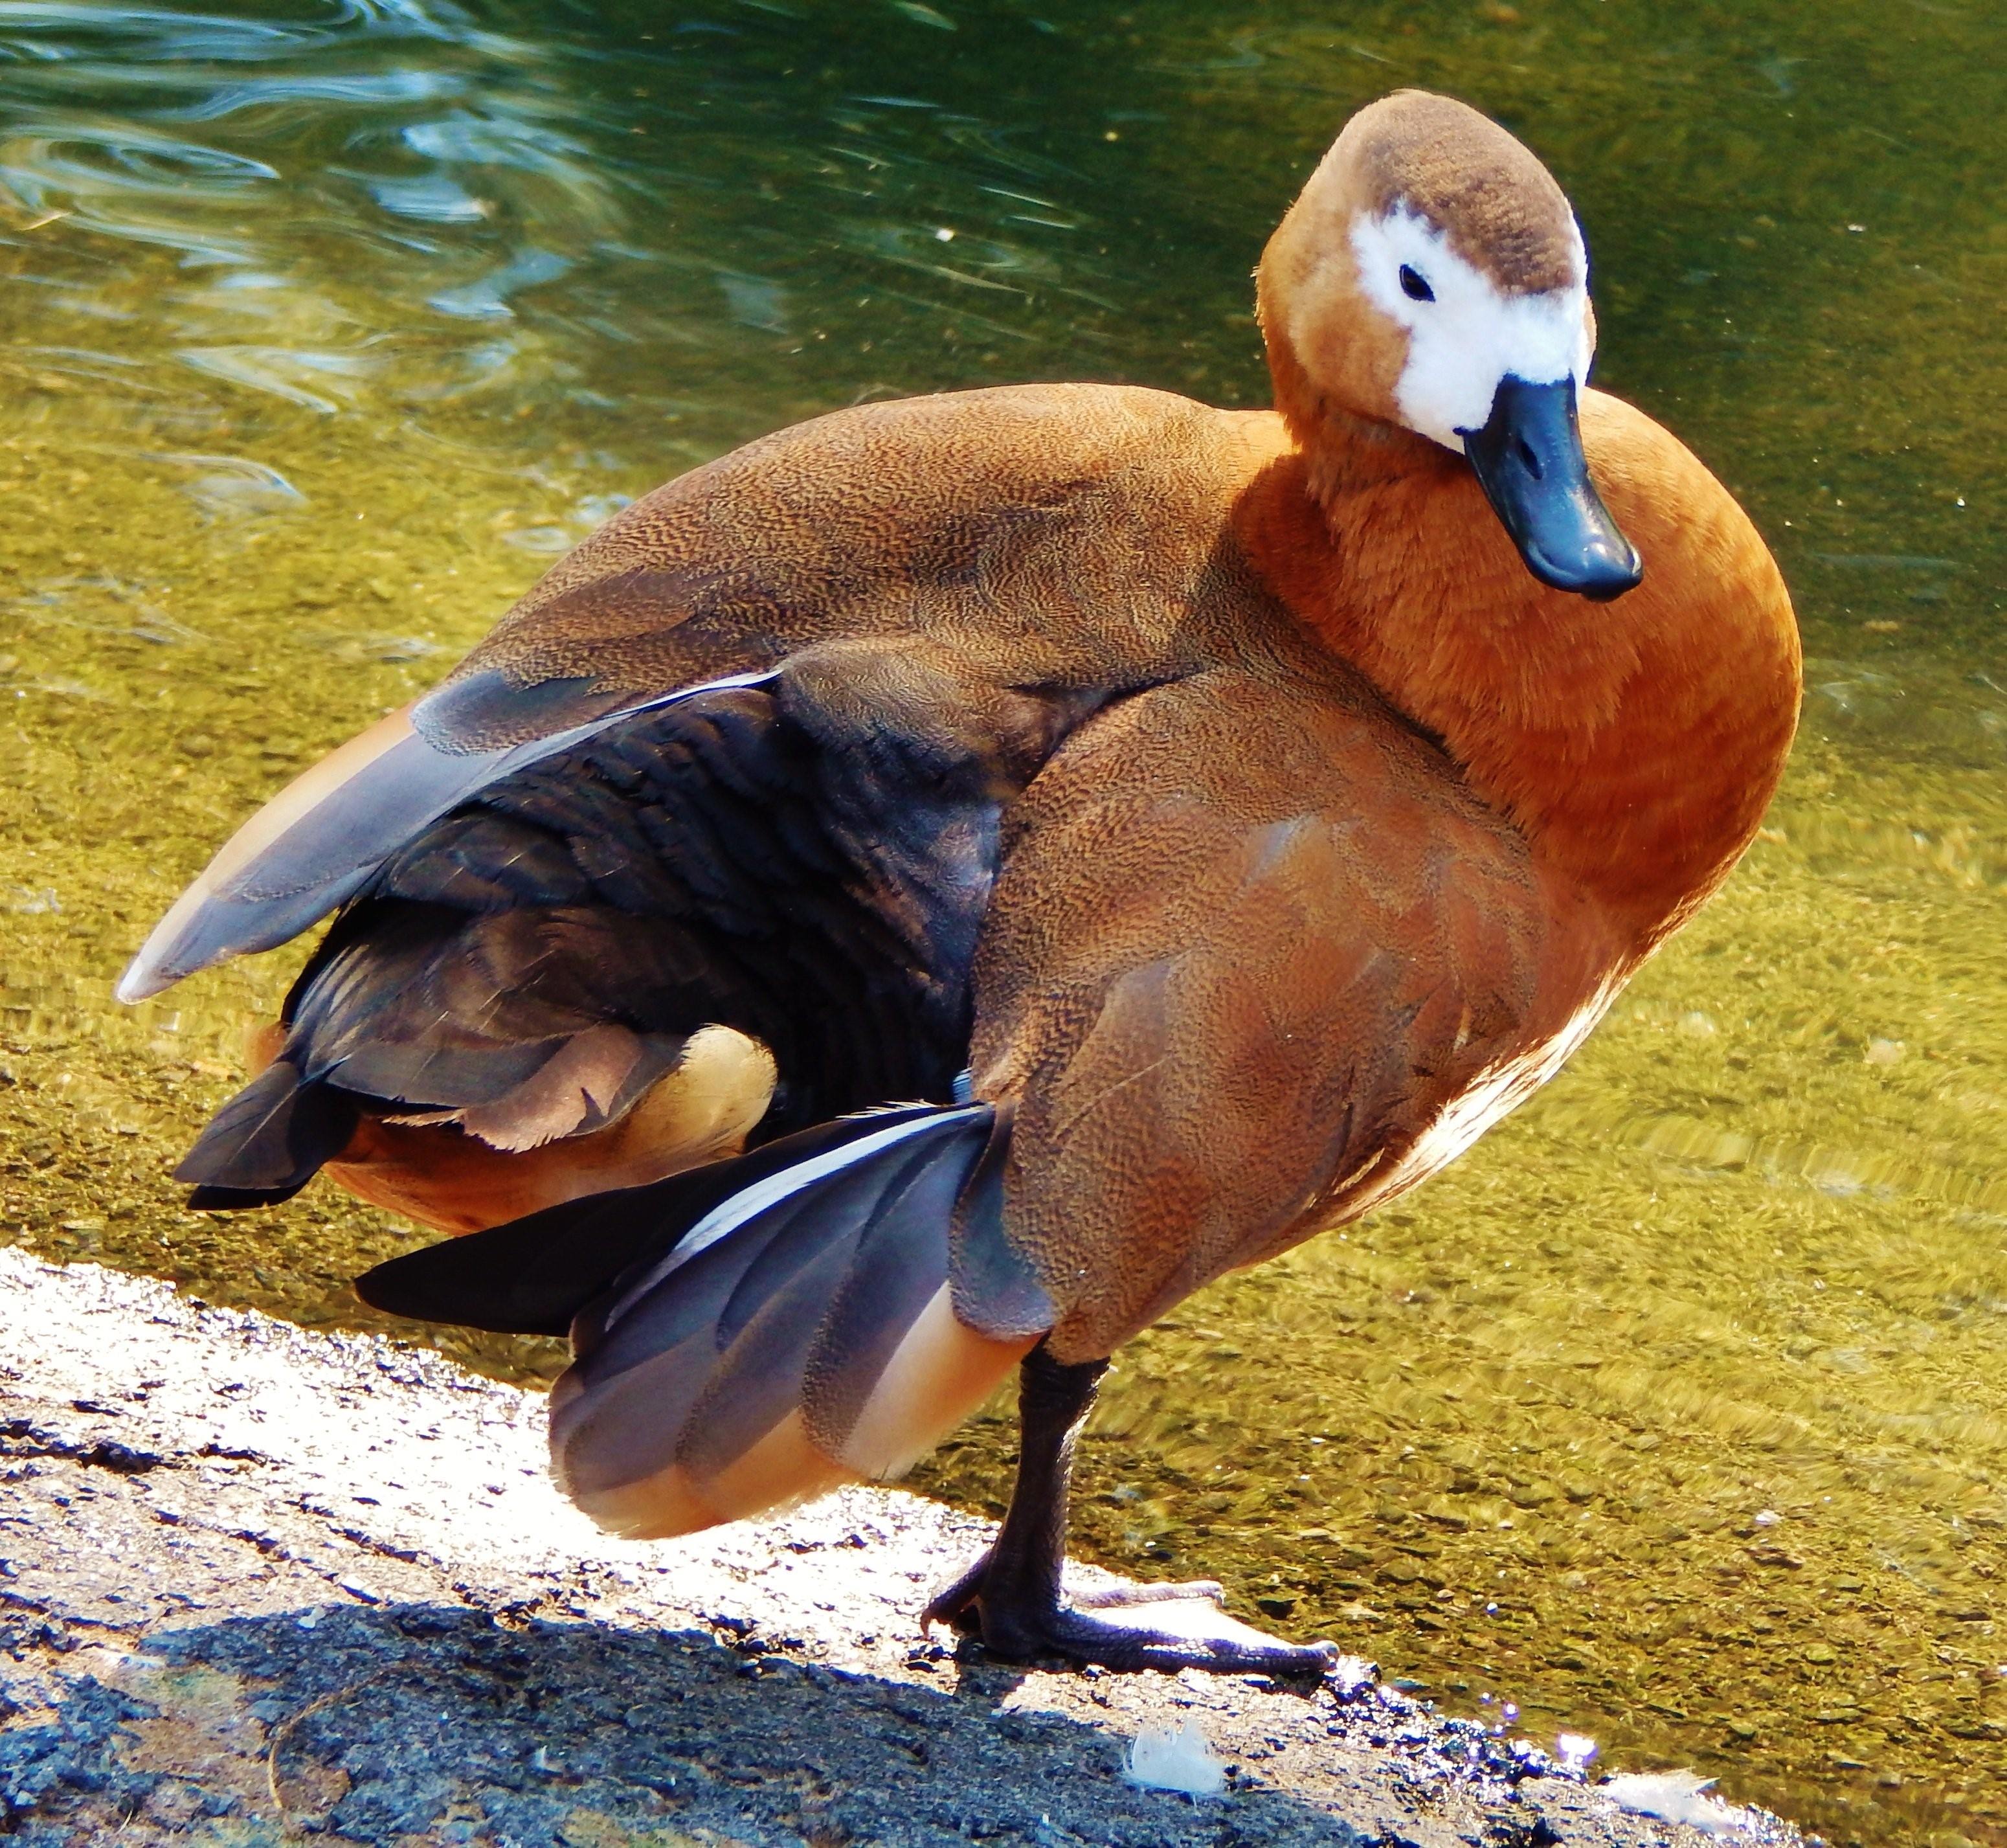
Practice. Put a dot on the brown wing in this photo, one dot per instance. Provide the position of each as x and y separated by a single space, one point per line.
1050 536
1250 940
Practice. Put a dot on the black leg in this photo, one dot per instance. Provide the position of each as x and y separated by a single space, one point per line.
1013 1599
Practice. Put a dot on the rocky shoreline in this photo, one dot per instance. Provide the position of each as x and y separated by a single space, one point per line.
257 1582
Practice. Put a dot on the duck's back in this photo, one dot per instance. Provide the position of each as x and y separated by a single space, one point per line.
1070 533
1065 536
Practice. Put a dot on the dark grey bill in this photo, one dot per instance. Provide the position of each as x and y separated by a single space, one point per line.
1529 460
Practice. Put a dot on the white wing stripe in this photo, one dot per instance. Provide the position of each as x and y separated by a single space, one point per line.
746 1205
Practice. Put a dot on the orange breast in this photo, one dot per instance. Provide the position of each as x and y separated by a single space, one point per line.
1636 744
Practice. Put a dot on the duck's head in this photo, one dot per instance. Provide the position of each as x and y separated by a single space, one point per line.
1431 276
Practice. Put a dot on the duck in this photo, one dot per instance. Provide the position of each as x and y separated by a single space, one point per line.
912 899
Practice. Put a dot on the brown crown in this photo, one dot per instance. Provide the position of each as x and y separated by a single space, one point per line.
1499 206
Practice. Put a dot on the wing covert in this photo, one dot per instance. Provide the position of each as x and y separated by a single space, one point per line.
1053 536
1249 940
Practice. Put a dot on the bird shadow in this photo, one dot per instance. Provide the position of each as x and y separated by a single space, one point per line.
418 1723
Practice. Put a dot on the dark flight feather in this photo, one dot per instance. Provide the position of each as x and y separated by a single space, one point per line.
706 861
795 1291
267 1142
329 851
706 1309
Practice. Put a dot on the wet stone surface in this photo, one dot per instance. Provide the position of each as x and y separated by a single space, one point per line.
260 1583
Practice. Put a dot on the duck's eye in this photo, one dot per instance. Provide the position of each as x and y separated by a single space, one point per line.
1415 285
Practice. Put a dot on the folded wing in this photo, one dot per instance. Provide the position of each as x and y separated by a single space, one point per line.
758 1330
706 875
1251 938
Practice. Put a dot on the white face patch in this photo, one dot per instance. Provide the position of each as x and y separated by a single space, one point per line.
1472 334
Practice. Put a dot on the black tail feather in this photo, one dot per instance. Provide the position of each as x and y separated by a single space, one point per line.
267 1142
535 1275
239 1200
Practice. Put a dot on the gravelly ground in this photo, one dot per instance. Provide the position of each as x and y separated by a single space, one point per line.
257 1583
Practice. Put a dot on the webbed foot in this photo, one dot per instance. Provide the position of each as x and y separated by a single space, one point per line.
1013 1598
1126 1627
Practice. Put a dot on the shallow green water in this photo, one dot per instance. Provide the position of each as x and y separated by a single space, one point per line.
1677 1413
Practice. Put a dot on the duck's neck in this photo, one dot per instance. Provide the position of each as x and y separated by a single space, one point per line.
1635 744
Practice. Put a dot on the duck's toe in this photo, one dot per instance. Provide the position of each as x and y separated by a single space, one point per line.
1125 1628
1121 1597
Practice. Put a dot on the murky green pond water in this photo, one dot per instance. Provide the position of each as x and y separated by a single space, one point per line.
1677 1413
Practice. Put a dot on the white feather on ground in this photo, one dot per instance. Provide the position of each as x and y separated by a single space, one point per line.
1174 1758
1676 1796
1574 1750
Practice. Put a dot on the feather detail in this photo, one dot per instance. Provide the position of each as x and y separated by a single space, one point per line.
267 1142
745 1335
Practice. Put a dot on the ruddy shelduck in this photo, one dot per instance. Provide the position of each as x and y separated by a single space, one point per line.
930 889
